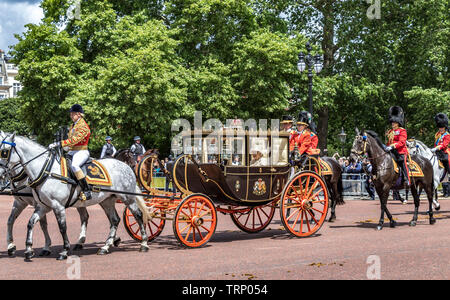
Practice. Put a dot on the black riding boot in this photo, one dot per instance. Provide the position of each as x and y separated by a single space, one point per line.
85 188
404 173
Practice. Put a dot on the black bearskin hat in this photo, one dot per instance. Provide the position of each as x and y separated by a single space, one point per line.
304 118
396 115
286 119
441 120
77 108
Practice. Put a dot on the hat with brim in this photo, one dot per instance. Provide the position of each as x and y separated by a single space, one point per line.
108 138
137 138
77 108
304 118
287 120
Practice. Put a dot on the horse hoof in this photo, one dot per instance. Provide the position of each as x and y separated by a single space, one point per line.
62 257
12 251
412 223
144 249
102 251
437 207
393 224
117 242
77 247
45 253
432 221
379 227
29 255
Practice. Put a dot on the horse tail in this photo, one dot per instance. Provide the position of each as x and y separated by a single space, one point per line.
340 188
142 206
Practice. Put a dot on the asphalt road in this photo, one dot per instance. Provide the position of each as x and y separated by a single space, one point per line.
349 248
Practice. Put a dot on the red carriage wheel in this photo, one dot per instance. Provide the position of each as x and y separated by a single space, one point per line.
154 227
254 219
195 221
304 204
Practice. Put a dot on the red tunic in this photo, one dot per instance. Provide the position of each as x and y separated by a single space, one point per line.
79 134
304 141
397 139
442 141
292 139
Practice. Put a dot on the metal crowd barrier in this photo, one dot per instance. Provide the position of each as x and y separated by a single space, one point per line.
354 184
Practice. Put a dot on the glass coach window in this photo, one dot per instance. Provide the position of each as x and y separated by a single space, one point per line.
258 151
280 151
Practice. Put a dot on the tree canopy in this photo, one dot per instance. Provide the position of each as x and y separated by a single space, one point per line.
136 66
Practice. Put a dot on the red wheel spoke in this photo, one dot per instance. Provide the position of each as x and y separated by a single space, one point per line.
312 216
298 209
322 212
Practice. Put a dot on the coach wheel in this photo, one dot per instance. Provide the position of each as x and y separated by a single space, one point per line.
195 221
304 204
154 227
144 172
254 219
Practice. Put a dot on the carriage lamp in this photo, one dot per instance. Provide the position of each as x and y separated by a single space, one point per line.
342 137
309 62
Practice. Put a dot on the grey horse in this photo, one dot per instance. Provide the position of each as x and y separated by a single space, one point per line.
19 179
418 147
52 194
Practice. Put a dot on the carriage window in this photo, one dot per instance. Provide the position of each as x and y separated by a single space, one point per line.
211 150
280 151
259 151
233 151
193 146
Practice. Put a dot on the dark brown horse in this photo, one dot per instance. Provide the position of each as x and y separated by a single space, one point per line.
385 178
127 157
333 182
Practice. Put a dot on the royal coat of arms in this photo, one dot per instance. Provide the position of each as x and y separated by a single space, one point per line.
260 187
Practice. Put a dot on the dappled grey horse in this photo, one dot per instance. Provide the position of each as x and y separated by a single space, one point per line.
52 194
417 147
18 178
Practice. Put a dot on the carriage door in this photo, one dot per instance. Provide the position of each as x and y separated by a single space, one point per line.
233 157
259 174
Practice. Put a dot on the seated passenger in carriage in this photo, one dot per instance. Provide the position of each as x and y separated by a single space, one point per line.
397 137
442 141
303 140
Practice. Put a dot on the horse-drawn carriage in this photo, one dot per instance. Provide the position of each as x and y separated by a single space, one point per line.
246 174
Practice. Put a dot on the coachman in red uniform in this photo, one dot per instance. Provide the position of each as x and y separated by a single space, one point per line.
397 137
304 141
442 141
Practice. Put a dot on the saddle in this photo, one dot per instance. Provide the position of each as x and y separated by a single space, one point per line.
414 170
325 167
95 172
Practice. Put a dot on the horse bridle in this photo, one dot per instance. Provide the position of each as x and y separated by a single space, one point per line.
361 154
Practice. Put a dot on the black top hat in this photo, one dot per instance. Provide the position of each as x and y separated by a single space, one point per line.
441 120
397 115
304 118
77 108
286 119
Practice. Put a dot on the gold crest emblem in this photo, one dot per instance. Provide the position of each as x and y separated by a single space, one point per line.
260 187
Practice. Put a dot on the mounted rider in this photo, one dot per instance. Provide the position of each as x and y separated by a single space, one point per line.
108 149
396 138
442 141
303 140
77 142
137 149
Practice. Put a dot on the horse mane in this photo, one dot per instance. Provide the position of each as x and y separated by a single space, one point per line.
375 136
30 142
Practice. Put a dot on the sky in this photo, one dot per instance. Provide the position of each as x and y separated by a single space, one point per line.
14 14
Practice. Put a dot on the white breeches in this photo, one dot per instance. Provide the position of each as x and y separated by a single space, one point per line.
79 158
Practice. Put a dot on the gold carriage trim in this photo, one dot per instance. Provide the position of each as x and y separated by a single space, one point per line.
96 173
325 167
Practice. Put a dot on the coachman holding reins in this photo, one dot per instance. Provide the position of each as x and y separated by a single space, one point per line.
77 142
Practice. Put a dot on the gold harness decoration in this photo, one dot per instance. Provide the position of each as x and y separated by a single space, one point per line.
325 167
96 173
413 167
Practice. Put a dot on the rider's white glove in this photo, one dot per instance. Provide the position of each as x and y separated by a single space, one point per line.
434 150
389 148
54 145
